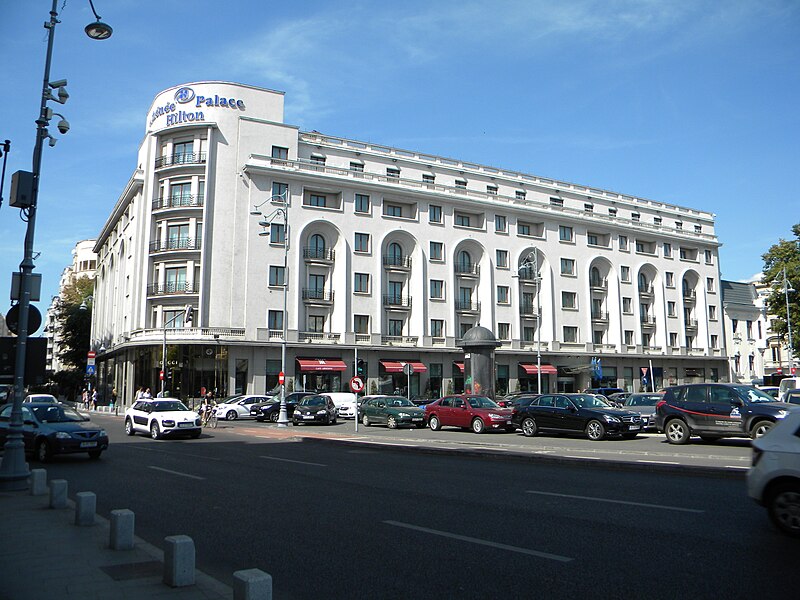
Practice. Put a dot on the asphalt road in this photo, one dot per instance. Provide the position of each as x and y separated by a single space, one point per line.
340 521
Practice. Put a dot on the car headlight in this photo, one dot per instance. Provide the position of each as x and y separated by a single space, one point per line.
103 433
403 415
611 419
168 423
781 414
495 416
197 422
321 412
63 435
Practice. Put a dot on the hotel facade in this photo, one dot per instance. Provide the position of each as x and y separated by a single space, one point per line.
386 257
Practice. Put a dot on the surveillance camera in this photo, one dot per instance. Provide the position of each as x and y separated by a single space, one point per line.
58 84
52 141
62 95
63 126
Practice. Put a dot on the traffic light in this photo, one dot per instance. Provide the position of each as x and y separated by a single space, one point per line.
361 367
188 316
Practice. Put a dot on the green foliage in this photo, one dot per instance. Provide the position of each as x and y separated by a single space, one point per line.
784 255
73 323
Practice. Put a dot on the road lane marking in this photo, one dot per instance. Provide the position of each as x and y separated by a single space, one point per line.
298 462
659 462
176 473
628 502
472 540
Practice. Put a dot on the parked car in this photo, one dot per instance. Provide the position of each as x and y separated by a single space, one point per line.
317 408
392 411
49 429
468 412
522 400
345 403
619 397
50 399
645 405
576 413
5 392
238 407
604 391
774 478
772 390
793 397
786 384
270 409
162 417
716 410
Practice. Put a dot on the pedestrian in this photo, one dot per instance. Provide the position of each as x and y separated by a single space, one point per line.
94 399
85 399
147 395
113 397
139 393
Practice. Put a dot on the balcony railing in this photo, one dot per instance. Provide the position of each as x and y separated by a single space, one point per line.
180 243
691 323
319 336
183 201
599 315
173 287
527 274
397 301
467 306
528 309
181 158
209 333
315 295
646 290
326 255
396 262
399 340
465 269
600 285
647 321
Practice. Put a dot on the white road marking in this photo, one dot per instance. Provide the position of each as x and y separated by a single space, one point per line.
298 462
176 473
644 504
737 467
472 540
659 462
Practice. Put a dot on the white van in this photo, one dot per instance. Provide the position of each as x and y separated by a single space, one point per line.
786 384
345 403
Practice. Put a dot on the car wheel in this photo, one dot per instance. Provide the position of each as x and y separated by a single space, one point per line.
332 421
434 423
155 432
677 432
391 422
783 505
95 454
274 416
43 451
529 427
595 430
365 420
760 429
231 415
478 425
129 427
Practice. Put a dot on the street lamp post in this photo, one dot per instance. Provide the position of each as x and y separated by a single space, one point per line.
13 468
532 262
283 212
786 286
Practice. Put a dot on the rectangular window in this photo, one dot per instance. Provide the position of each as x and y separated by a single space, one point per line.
635 217
434 213
275 319
361 283
437 327
749 330
316 323
570 334
556 202
361 323
504 331
625 273
318 200
568 299
623 243
392 210
673 340
523 229
280 190
491 189
501 257
667 250
437 289
277 234
362 203
437 250
529 334
612 211
396 327
361 242
276 275
520 195
698 229
502 294
670 309
500 223
629 338
679 225
462 220
428 179
709 284
568 266
392 172
709 257
627 306
656 220
565 233
280 152
592 240
317 159
357 167
712 313
461 184
670 279
588 208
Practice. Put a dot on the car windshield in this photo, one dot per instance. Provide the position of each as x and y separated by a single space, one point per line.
752 394
649 400
399 402
482 402
57 414
168 406
312 401
588 401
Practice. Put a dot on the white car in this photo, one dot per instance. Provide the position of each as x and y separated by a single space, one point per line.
160 417
238 407
774 479
41 398
345 403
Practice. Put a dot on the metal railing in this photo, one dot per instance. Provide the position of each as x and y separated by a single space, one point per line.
397 301
181 158
467 306
599 315
180 243
314 294
318 336
176 287
402 262
182 201
323 254
465 269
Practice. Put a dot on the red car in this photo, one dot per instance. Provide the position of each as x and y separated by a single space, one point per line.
468 412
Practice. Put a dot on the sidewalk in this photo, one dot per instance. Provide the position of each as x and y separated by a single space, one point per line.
44 556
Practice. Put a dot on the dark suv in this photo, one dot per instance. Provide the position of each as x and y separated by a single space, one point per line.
270 410
716 410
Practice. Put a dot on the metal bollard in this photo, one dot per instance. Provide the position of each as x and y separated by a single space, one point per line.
252 584
179 558
38 482
121 534
58 493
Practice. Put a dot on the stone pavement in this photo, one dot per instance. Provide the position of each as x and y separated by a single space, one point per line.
45 556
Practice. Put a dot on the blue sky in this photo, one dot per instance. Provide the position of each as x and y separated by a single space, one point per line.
692 103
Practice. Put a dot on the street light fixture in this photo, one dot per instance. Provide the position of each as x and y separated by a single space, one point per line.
531 262
13 468
283 212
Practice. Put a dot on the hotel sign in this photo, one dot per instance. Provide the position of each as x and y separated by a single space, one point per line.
186 97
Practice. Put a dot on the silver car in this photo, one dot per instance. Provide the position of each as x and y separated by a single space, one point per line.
645 405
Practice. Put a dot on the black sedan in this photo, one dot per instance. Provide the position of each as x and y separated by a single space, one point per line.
51 429
271 409
315 409
576 413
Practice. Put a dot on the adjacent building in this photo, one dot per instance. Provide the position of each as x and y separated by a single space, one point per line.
341 250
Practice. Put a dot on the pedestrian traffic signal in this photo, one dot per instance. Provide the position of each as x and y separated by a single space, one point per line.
361 367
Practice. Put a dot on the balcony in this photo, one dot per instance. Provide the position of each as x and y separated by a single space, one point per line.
466 306
181 158
319 256
527 275
691 325
647 321
599 316
467 271
392 301
646 292
399 340
689 297
317 297
179 243
598 285
173 287
528 310
396 263
319 337
184 201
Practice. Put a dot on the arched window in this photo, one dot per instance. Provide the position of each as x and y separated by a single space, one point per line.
395 254
643 283
595 279
464 262
316 246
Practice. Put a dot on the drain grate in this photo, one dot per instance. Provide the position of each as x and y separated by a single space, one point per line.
133 570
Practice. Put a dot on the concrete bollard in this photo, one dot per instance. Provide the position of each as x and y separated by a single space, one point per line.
121 535
179 558
38 482
58 493
85 507
252 584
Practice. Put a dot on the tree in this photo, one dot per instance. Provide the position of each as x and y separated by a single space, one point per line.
73 324
784 255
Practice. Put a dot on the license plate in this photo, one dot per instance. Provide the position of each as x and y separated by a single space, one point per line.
634 427
309 417
185 424
416 419
88 444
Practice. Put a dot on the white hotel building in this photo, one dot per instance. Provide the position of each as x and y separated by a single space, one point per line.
392 254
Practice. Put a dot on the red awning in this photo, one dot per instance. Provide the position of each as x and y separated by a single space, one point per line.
460 365
532 370
321 364
391 366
